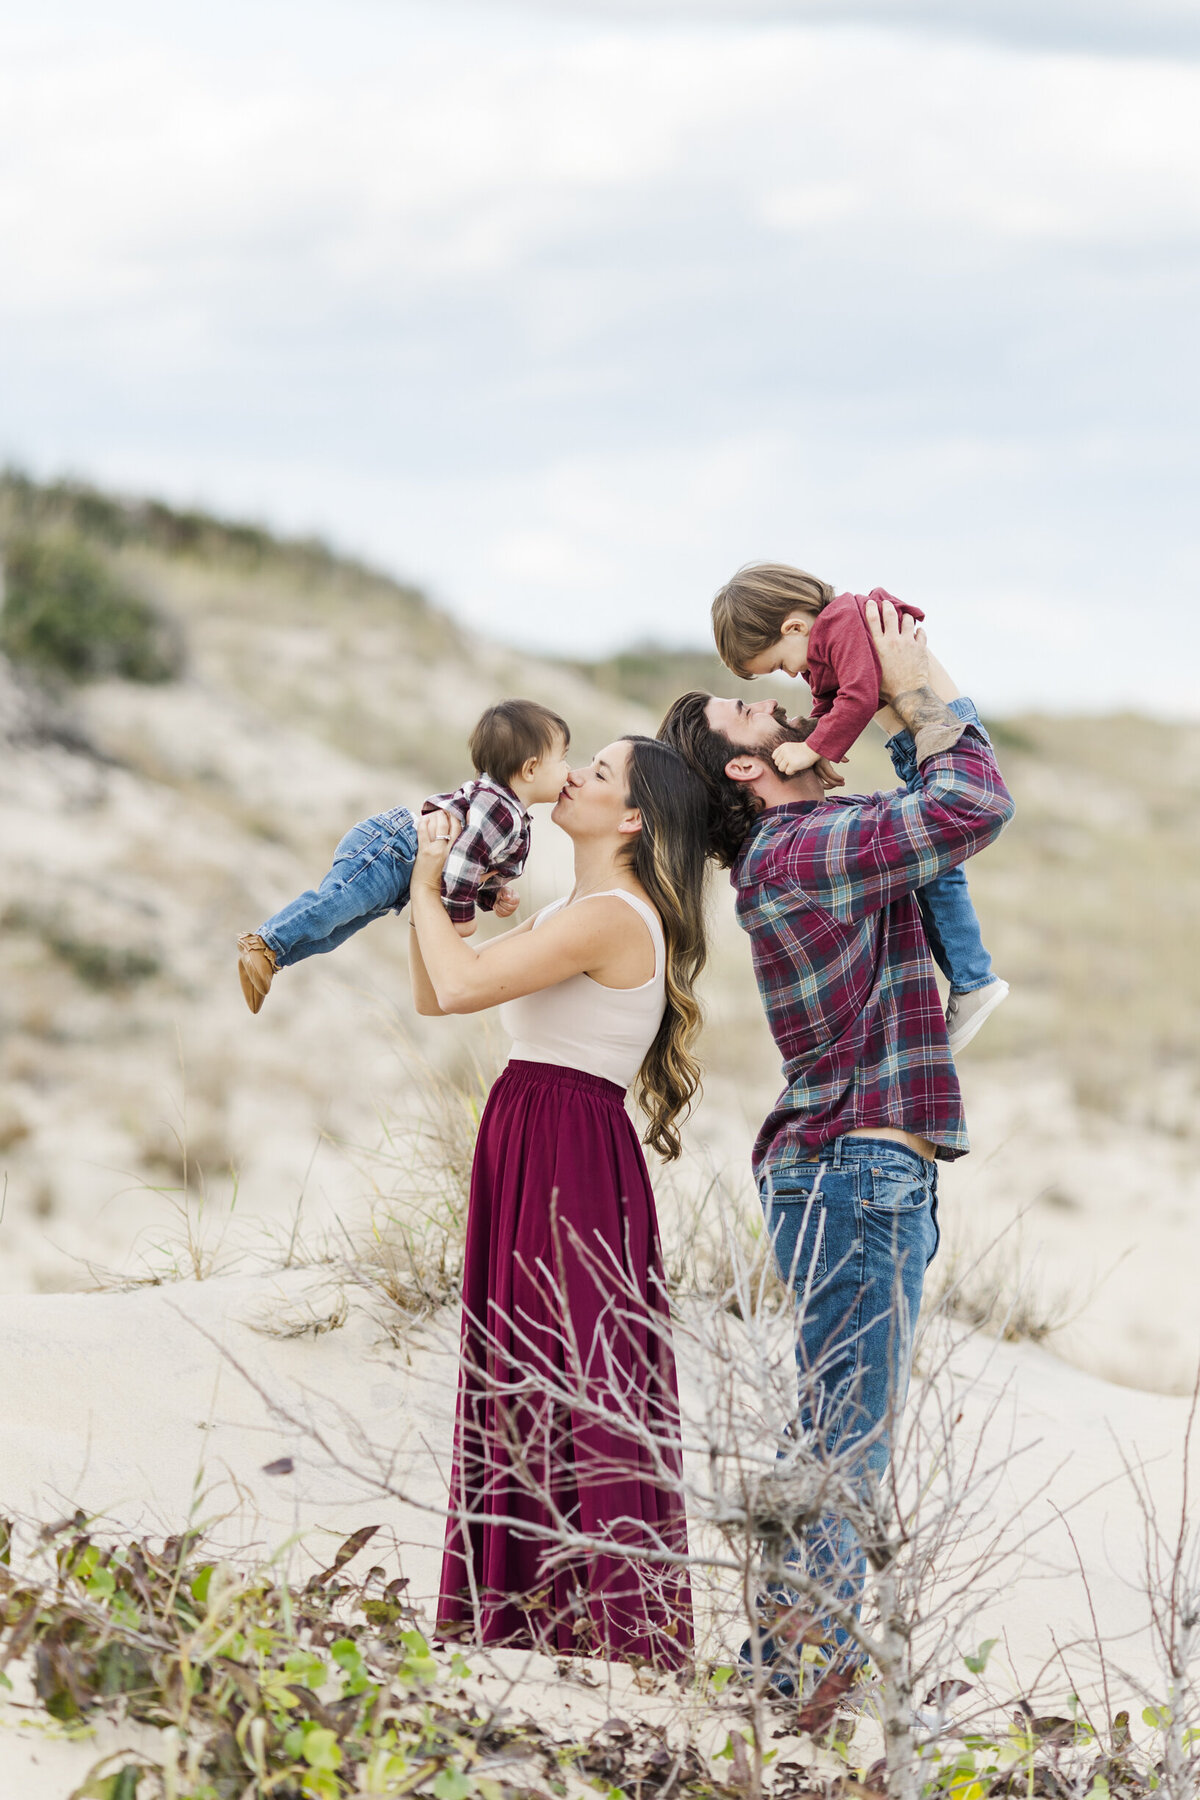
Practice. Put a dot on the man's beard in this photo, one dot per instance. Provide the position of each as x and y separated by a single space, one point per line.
785 734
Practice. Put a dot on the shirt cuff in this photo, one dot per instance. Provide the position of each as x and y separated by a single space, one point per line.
902 748
830 744
935 740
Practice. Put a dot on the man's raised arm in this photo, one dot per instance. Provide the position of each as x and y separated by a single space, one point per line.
904 680
867 855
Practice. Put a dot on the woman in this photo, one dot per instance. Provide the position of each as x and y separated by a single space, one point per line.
567 1529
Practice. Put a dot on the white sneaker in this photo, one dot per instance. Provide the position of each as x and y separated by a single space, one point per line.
965 1013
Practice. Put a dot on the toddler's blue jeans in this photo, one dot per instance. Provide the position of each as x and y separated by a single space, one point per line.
371 873
947 913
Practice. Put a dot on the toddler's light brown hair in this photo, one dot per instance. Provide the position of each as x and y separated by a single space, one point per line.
512 731
748 612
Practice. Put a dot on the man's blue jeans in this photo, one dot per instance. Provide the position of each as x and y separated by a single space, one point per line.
371 874
947 912
853 1235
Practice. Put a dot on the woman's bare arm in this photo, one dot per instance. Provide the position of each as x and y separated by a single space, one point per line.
591 938
584 939
425 1000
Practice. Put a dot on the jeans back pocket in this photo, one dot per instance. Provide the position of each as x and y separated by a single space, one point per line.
794 1208
359 840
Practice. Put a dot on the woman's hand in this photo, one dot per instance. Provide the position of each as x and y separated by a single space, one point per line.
436 831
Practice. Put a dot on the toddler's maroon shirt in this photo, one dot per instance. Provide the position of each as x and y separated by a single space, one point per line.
843 671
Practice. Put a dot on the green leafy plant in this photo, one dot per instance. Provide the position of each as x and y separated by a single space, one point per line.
66 612
260 1688
106 967
293 1688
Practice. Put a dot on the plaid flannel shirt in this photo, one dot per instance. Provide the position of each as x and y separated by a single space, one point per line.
826 890
491 847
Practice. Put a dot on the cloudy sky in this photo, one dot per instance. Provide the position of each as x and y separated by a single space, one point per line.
566 309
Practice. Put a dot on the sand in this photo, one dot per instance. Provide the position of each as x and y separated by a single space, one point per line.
153 1128
161 1407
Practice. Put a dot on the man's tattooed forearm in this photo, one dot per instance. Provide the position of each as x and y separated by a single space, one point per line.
921 706
934 727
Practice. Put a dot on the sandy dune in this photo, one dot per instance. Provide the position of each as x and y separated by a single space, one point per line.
150 1409
149 1125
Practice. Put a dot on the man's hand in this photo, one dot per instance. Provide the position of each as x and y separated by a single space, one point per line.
900 645
905 680
791 758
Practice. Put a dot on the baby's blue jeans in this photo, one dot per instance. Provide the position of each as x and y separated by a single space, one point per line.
371 873
947 913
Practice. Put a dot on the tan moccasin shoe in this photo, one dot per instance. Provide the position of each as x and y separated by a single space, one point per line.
256 969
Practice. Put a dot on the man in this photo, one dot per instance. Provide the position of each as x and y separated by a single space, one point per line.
846 1163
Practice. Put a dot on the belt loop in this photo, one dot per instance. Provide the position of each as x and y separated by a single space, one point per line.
837 1152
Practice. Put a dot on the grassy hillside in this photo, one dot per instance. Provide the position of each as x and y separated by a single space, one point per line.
1089 900
653 675
146 821
1093 895
357 659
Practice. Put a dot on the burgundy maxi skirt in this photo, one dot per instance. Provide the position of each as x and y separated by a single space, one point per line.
566 1528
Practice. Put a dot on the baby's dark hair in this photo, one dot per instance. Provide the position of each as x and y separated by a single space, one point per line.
512 731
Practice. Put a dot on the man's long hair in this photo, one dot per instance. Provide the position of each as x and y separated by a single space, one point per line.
732 808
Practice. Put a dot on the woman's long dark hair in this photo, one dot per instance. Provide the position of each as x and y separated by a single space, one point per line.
669 858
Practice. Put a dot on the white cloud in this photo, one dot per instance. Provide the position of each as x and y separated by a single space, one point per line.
571 320
547 558
811 203
134 172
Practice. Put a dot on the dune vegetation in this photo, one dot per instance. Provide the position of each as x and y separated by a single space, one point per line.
192 710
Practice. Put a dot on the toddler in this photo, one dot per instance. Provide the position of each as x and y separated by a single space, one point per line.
519 752
773 619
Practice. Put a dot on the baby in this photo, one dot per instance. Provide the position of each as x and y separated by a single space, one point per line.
519 752
771 619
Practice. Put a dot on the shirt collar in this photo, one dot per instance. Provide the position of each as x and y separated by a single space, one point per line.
791 806
501 787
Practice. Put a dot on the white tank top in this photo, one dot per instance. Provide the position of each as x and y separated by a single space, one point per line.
580 1024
